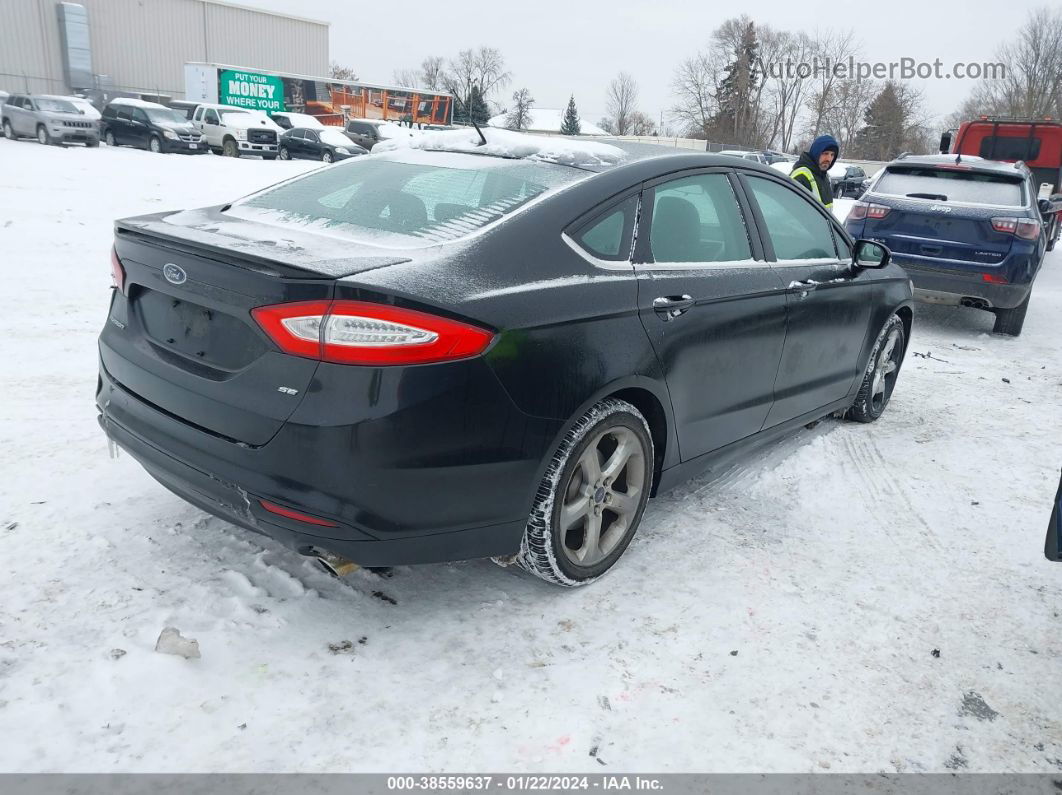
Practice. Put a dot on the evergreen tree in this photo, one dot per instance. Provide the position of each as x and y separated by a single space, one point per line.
570 125
882 138
735 91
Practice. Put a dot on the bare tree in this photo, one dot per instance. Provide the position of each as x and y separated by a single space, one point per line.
340 72
639 123
620 100
407 78
519 116
431 69
1032 83
828 48
484 68
845 115
694 87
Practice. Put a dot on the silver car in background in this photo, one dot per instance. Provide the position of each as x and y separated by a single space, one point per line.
49 119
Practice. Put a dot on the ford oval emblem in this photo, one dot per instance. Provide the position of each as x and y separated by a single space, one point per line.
174 273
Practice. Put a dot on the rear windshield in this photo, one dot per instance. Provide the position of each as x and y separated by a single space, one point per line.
406 200
953 186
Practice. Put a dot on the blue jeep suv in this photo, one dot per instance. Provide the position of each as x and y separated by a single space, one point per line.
967 231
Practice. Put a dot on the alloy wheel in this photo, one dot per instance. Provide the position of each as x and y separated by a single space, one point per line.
42 135
885 370
602 496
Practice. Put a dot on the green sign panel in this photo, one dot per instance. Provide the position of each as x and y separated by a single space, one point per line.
251 90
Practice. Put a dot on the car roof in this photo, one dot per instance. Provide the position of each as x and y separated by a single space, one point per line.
952 160
137 103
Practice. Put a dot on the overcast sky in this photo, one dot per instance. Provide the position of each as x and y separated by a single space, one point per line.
561 47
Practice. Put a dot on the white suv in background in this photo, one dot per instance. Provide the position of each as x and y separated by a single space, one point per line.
235 132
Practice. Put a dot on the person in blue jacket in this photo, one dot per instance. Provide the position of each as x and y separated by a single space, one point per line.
810 170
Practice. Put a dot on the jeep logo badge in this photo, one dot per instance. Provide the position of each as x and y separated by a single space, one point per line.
940 208
174 273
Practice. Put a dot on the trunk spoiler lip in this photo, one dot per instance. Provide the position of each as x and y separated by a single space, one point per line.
287 263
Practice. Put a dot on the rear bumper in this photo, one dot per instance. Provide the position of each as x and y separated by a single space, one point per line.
951 287
396 497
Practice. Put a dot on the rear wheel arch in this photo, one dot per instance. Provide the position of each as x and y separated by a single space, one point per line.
651 408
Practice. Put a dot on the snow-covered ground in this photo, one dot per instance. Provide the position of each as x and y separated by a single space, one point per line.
786 616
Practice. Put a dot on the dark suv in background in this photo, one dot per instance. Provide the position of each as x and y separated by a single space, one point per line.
967 231
147 125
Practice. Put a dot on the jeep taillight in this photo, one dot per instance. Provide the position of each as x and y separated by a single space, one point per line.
358 332
117 272
1025 228
861 210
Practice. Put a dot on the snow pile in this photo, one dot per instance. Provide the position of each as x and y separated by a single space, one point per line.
506 143
549 120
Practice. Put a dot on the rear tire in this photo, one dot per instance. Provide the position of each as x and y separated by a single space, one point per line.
108 138
881 374
284 153
229 148
1011 321
591 498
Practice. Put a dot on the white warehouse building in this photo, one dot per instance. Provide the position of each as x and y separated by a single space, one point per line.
141 46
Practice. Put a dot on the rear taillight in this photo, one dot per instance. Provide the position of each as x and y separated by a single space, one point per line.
117 272
356 332
861 210
1025 228
993 278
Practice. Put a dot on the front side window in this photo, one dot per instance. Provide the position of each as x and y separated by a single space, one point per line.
608 236
798 231
210 117
697 219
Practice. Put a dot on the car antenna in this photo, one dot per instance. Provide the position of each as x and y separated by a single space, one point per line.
482 137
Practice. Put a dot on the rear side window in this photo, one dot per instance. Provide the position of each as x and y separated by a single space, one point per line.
1005 147
798 231
697 219
406 204
608 236
952 185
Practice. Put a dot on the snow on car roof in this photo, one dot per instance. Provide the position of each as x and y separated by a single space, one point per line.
562 150
138 103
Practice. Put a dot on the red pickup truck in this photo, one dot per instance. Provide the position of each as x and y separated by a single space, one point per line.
1036 142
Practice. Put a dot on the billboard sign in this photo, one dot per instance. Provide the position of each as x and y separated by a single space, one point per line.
251 90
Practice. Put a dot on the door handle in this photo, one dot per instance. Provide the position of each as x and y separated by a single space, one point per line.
803 288
670 307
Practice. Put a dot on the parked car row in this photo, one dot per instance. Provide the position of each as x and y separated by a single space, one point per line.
189 128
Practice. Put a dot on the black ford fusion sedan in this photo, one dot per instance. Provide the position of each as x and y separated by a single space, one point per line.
504 351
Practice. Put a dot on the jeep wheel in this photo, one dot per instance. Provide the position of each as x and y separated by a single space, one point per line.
42 135
1011 321
9 131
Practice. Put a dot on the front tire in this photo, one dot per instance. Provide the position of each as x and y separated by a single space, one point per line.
42 135
155 145
882 371
9 131
1011 321
326 156
591 498
229 148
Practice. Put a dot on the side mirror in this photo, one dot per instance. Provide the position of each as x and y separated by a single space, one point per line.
869 254
1044 205
945 143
